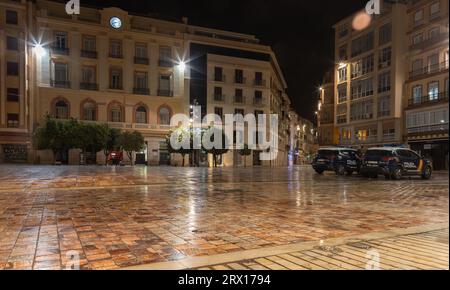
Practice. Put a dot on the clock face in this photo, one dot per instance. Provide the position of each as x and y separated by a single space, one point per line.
115 22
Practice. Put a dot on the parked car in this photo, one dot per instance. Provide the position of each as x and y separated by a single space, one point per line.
395 162
340 160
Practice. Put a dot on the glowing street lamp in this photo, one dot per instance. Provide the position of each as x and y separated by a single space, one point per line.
182 66
40 50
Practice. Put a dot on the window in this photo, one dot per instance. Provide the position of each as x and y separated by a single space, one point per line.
164 85
433 91
418 38
362 44
12 43
13 120
141 115
418 17
343 30
389 133
164 116
165 56
141 50
417 94
88 74
433 33
60 74
361 88
239 112
12 68
218 96
218 74
115 48
342 74
238 96
218 111
433 63
12 95
343 52
342 93
361 111
140 80
60 40
61 110
89 111
384 106
363 66
89 43
116 113
435 10
384 82
385 57
239 76
116 78
11 17
417 67
258 78
258 97
385 33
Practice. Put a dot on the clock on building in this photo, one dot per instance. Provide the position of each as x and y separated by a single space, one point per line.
115 22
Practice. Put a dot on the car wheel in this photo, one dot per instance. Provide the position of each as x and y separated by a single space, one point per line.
319 171
427 173
397 174
340 170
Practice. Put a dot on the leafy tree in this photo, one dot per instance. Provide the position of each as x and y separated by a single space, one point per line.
245 152
131 142
111 142
181 134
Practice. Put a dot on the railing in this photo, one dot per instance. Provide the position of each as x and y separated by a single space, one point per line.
141 91
240 81
141 60
239 99
60 84
60 50
219 78
116 87
430 69
115 55
165 93
165 63
89 86
258 102
384 114
259 82
431 128
137 126
219 98
89 53
430 99
430 41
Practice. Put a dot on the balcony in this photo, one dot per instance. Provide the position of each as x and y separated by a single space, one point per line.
60 84
258 102
60 50
88 53
259 83
219 98
441 128
165 63
115 55
219 78
430 41
239 99
428 100
240 81
89 86
116 87
428 70
165 93
141 60
141 91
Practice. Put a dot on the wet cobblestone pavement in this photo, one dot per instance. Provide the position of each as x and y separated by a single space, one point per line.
120 217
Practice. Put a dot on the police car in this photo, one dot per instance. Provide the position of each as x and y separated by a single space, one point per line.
340 160
395 162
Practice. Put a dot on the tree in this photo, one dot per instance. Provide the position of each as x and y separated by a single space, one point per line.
181 134
111 142
131 142
245 152
222 147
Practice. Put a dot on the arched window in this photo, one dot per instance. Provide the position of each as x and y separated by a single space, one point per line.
141 115
61 110
89 111
164 116
116 113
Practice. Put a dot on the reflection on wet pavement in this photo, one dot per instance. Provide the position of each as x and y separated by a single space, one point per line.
117 217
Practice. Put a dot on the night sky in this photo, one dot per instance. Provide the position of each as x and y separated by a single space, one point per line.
299 31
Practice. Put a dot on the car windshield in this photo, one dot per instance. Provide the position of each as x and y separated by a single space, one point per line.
379 153
325 153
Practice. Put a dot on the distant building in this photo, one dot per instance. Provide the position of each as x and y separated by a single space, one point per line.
328 135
